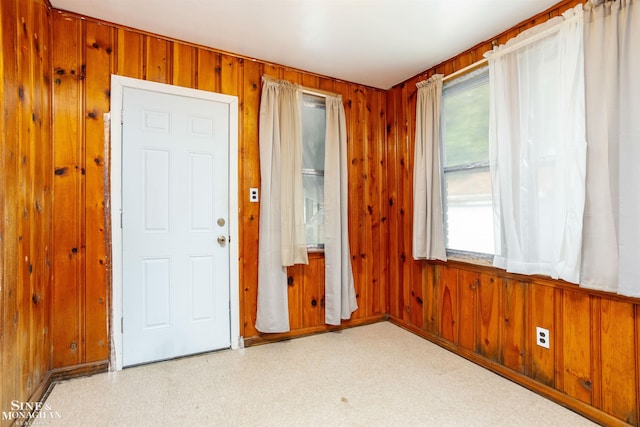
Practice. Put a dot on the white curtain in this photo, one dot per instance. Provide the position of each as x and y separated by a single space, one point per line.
282 234
538 148
428 225
611 244
340 295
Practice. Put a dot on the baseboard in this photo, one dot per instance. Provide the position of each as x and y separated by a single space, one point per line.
69 372
587 411
298 333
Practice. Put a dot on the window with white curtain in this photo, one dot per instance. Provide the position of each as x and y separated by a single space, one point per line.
538 148
313 153
468 214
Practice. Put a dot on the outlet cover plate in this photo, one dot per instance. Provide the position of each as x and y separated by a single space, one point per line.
542 337
253 195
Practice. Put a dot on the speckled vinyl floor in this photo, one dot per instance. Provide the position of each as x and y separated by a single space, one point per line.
374 375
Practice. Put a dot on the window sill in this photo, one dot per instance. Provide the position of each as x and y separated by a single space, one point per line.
483 262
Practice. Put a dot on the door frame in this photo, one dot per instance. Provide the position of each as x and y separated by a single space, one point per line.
118 85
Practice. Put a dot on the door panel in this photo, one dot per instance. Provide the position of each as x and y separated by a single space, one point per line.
175 188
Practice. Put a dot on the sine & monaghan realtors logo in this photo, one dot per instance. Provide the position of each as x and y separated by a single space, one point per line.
29 413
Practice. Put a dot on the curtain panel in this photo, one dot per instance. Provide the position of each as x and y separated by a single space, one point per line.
282 234
340 295
282 226
428 225
538 148
612 211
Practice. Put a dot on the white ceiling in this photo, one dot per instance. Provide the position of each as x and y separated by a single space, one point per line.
373 42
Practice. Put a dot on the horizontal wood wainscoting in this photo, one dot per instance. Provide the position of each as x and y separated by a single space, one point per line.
86 52
25 201
489 316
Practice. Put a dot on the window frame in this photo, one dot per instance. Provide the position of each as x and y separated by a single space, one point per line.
318 247
479 74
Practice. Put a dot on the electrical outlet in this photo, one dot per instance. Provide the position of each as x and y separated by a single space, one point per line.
253 195
542 337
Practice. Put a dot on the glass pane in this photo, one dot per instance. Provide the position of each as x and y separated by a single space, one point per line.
469 211
313 186
313 130
466 124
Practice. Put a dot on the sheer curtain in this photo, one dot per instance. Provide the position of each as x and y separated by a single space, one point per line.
612 209
538 148
282 233
428 225
340 295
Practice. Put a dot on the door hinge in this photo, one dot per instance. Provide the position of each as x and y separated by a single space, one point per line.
121 117
121 325
120 219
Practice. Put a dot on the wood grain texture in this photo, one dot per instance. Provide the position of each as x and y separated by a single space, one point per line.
87 53
25 204
54 289
98 53
495 320
68 185
468 283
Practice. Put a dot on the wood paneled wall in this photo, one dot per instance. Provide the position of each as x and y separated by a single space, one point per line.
55 298
490 316
86 52
25 200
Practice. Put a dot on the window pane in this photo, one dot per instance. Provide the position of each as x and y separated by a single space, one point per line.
466 124
313 130
469 212
313 186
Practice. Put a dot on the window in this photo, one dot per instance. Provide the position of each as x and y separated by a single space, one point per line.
313 142
467 202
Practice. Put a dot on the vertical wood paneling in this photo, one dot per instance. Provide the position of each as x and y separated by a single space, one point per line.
295 288
184 65
380 126
467 329
405 198
541 313
382 193
157 60
448 302
25 202
130 54
41 155
26 132
10 385
208 70
313 292
514 340
489 316
576 329
505 313
393 218
98 57
360 148
248 170
68 185
618 358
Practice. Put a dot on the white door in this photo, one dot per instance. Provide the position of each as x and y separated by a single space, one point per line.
175 210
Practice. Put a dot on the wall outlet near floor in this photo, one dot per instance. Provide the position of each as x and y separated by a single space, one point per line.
253 195
542 337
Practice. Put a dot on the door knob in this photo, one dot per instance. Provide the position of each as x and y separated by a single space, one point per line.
222 240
